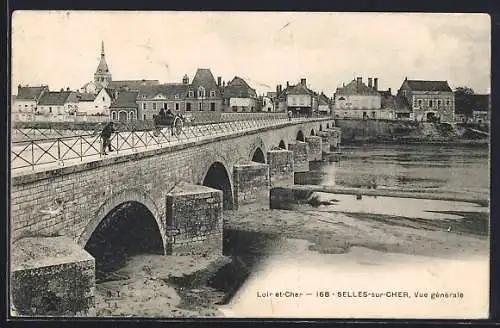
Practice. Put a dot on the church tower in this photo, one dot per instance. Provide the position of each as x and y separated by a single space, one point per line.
102 76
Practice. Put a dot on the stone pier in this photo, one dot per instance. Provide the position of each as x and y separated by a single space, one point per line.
335 135
300 156
315 148
325 141
194 220
281 167
52 276
251 186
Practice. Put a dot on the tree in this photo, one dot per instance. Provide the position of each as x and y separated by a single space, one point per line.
464 90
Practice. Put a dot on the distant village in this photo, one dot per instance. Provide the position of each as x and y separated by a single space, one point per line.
126 100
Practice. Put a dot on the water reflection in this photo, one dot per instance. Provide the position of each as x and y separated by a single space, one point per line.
404 166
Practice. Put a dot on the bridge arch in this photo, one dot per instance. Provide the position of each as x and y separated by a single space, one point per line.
217 176
300 136
282 144
321 127
128 221
312 132
327 125
258 151
258 156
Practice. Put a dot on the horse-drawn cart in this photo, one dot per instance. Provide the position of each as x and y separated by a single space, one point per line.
175 122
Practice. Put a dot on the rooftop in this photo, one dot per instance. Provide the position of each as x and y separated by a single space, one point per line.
422 85
30 93
125 99
57 98
239 88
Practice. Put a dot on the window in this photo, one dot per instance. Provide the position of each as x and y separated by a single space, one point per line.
235 109
430 103
201 92
154 106
143 117
212 93
188 107
143 105
177 106
165 105
132 115
212 106
439 103
190 94
200 106
113 116
420 102
103 99
25 105
50 109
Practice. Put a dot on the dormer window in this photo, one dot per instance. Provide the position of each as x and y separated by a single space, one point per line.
190 94
176 97
201 92
212 93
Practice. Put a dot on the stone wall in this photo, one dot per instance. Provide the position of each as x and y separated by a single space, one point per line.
367 130
300 156
194 220
251 185
52 277
281 167
315 148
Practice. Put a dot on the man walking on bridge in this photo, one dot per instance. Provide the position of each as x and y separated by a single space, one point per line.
106 133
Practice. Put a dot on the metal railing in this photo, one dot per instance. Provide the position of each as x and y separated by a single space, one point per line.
70 150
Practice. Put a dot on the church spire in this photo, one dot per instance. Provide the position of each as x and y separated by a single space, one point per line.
102 76
102 48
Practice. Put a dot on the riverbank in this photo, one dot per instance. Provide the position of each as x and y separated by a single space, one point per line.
418 141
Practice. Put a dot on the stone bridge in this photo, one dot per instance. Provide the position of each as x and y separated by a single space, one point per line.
168 201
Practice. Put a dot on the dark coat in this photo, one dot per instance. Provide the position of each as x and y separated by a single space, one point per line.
108 131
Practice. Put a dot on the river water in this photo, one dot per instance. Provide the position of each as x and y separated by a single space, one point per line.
398 266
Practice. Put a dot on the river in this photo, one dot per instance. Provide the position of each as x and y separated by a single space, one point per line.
378 257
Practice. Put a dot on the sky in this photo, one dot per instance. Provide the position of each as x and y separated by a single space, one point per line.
62 48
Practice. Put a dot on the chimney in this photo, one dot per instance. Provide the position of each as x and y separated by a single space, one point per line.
224 84
359 80
19 88
67 88
287 84
277 90
219 81
390 92
375 84
370 83
303 82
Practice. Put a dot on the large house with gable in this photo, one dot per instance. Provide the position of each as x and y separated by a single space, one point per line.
358 100
203 94
239 96
27 98
298 99
429 100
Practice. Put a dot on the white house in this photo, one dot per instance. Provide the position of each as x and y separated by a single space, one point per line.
267 104
58 103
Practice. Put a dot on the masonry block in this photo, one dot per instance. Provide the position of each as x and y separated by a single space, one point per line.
251 186
335 135
315 148
52 276
300 157
281 167
325 140
194 220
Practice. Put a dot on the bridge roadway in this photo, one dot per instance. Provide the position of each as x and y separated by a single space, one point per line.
52 153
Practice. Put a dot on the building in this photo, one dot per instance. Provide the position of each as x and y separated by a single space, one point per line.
239 96
124 107
27 98
298 99
393 106
429 100
58 103
472 108
267 103
358 100
202 95
324 104
131 85
92 104
102 76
